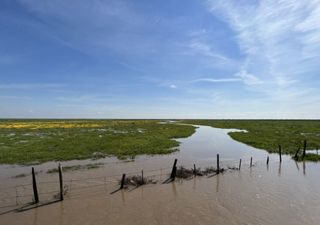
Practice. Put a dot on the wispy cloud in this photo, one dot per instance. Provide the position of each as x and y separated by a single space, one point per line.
248 78
279 38
202 48
213 80
242 76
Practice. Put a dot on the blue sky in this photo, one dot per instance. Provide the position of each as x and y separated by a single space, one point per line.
160 59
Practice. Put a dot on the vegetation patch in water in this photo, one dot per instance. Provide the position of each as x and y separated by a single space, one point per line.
308 157
77 167
137 181
185 173
20 175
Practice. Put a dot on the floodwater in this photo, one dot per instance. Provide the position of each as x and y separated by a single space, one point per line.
286 193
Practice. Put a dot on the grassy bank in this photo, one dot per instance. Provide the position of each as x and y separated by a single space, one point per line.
268 134
36 141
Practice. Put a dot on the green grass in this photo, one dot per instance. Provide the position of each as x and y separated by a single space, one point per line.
269 134
37 141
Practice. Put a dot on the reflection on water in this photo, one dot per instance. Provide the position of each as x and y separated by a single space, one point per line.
61 213
123 197
279 169
297 165
276 193
217 183
35 216
174 189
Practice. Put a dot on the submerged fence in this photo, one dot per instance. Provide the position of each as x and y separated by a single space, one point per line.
26 196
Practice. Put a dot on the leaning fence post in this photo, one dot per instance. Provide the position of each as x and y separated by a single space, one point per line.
251 162
122 180
280 157
61 182
240 164
194 170
304 148
34 185
174 170
267 160
218 164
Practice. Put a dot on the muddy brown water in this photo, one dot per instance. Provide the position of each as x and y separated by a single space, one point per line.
286 193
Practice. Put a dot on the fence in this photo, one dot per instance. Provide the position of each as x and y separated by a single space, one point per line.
35 194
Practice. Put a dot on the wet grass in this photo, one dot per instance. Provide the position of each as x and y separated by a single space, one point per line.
186 173
269 134
20 175
36 141
137 181
308 157
77 167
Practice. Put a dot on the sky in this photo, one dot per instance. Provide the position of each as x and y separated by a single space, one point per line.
232 59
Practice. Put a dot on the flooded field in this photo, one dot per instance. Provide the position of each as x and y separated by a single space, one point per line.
284 193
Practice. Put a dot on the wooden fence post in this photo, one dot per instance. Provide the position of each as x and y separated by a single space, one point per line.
240 164
174 170
34 185
142 179
218 164
280 157
304 148
61 182
297 152
122 180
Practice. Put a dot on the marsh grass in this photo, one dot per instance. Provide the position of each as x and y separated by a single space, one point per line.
38 141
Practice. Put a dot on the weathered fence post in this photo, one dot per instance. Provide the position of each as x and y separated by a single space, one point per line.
251 161
122 180
61 182
240 164
304 148
194 170
297 152
34 185
218 164
174 170
142 179
280 157
267 160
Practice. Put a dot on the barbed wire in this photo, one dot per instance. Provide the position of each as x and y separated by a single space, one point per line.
74 185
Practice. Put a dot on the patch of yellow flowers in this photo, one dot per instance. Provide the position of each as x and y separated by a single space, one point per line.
47 125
